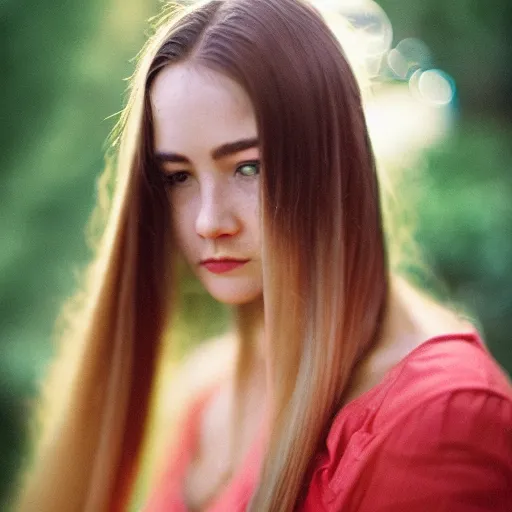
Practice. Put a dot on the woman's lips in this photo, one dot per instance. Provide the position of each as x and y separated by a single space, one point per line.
222 266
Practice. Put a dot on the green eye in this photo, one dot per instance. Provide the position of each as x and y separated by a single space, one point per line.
249 169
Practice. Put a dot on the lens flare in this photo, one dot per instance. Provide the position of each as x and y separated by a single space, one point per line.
433 86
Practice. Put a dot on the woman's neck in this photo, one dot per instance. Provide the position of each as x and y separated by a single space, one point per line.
250 375
250 325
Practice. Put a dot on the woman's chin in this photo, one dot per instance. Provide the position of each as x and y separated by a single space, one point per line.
234 294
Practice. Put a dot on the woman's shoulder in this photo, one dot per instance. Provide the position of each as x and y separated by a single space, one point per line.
441 366
445 409
453 361
434 351
437 369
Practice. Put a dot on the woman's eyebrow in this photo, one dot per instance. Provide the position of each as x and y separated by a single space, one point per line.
171 157
227 149
234 147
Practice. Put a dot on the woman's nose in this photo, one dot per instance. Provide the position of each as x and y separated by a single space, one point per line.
216 217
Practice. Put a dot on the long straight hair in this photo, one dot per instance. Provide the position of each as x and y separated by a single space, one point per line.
325 266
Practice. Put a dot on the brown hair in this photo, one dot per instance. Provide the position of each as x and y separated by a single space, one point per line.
325 267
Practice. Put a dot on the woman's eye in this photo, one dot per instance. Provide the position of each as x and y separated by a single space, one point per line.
249 169
176 178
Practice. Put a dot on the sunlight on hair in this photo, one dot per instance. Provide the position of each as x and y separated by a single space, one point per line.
369 28
364 32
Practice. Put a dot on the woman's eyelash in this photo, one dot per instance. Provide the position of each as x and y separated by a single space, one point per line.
176 178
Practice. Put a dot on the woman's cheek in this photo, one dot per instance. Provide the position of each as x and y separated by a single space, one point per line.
183 224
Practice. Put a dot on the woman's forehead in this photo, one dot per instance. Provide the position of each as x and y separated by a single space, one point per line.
192 104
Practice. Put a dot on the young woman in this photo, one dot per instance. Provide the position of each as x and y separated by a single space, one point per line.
245 153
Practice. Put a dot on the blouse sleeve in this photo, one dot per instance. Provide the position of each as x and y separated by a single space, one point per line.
453 454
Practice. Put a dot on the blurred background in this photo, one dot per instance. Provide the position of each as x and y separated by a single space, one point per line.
439 113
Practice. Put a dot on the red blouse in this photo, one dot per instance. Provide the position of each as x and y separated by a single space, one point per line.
434 435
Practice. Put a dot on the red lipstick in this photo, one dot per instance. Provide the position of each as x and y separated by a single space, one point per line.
222 266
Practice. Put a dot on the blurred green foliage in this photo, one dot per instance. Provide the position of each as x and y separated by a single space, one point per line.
465 225
64 66
63 76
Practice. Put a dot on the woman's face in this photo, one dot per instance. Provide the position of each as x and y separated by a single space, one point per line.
206 141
